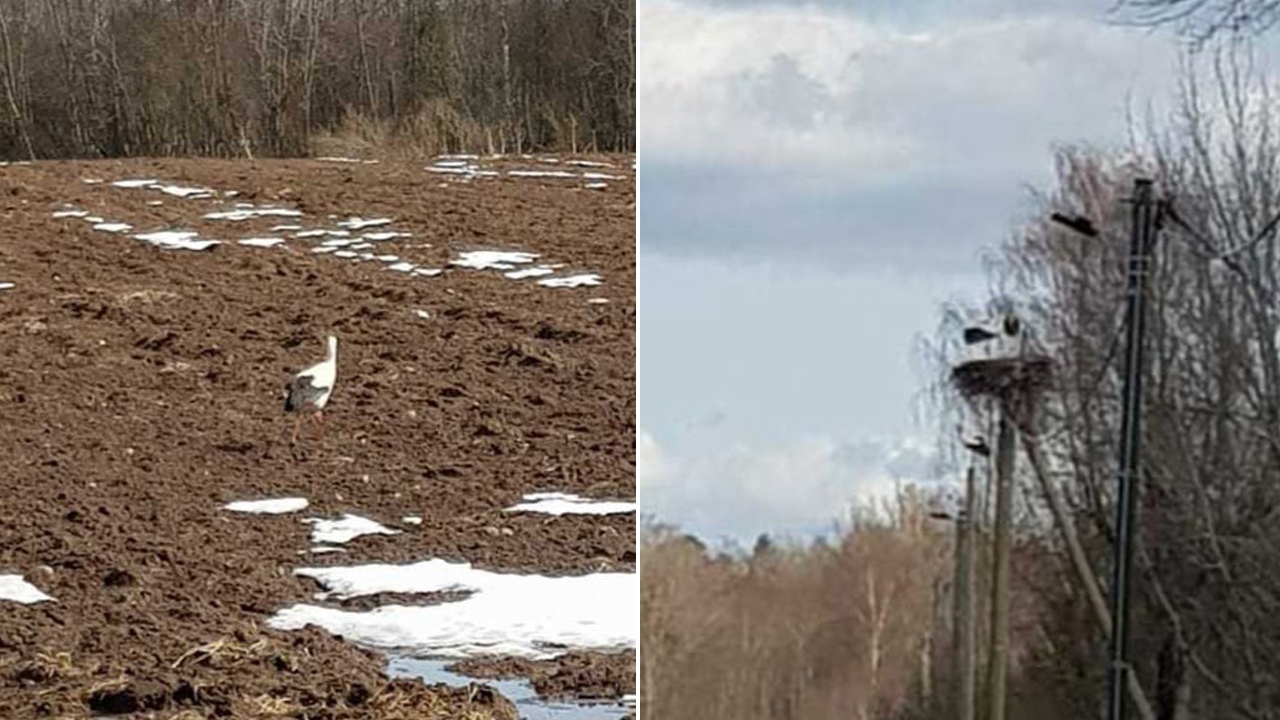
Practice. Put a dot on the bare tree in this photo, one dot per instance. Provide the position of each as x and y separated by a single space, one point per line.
1210 486
1203 20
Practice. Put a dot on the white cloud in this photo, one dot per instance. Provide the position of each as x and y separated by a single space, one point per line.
822 90
798 487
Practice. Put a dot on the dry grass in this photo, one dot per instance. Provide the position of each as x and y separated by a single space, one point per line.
436 128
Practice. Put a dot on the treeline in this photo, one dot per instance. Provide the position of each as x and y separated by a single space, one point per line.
843 629
111 78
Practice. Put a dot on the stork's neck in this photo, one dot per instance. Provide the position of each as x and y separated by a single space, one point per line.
332 350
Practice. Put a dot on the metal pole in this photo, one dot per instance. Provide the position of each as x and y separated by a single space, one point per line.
1140 244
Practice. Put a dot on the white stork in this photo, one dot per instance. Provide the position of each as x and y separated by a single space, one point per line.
993 338
312 387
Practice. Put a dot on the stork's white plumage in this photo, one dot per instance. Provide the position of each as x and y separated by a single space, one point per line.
312 387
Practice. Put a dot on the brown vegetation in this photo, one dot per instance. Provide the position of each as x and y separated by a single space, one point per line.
99 78
843 629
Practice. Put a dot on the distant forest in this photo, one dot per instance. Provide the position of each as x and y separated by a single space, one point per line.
246 78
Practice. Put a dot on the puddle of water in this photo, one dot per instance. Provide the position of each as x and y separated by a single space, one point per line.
528 704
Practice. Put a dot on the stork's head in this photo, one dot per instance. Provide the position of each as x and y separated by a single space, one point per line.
1010 324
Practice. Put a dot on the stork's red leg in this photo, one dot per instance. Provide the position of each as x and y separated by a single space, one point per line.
297 425
319 416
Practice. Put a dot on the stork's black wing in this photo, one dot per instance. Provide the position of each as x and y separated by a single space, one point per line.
301 392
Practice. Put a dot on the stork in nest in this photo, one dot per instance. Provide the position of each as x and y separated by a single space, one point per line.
311 388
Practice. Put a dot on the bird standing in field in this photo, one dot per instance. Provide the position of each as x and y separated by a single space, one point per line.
311 388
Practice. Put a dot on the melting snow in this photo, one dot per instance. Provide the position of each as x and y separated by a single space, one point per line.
135 183
345 254
113 227
529 272
492 259
596 186
412 519
70 213
337 242
588 163
14 588
556 503
177 240
262 241
93 219
323 249
309 233
427 272
91 181
282 228
357 223
6 286
540 173
597 301
571 281
247 213
337 532
273 506
401 267
322 549
184 192
379 236
506 614
329 158
599 176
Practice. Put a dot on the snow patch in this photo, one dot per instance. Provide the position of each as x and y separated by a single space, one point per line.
557 503
337 532
357 223
571 281
15 589
271 506
176 240
135 183
529 272
252 212
184 192
262 241
530 616
493 259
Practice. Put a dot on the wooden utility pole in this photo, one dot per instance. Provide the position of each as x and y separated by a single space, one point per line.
962 614
997 672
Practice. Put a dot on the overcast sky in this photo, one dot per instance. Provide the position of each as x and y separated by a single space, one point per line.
815 180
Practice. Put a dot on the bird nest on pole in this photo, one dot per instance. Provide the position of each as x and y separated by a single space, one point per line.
1015 382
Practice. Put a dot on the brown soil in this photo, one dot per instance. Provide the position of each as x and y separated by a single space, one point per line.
585 676
140 389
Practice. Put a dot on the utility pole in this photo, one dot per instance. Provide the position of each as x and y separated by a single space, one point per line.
998 670
1141 240
962 614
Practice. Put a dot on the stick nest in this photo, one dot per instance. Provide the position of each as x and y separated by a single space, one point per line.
1016 378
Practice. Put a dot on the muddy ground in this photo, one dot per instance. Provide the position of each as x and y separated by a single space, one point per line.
140 389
